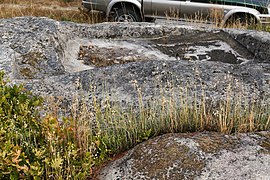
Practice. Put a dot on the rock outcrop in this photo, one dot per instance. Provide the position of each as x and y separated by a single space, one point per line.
62 59
120 60
205 155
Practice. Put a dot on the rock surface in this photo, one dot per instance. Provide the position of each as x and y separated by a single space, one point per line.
61 59
204 155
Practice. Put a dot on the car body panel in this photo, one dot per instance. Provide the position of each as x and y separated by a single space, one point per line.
147 6
98 5
165 8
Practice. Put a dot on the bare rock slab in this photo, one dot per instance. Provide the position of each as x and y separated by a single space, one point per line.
206 155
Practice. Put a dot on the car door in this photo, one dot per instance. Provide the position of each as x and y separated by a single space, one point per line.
201 9
165 8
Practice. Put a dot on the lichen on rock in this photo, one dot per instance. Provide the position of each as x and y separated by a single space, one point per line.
206 155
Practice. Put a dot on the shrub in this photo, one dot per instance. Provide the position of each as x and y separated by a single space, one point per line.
19 130
31 147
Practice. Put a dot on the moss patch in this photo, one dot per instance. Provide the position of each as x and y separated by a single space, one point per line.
265 144
108 56
32 58
164 158
27 72
214 142
30 64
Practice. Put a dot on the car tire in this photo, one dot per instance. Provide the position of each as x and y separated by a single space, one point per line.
126 14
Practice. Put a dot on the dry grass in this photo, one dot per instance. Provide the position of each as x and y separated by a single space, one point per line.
61 3
61 10
115 128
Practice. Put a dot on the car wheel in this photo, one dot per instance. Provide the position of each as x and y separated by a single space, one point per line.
126 14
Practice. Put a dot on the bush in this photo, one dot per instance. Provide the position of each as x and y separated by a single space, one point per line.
35 148
19 130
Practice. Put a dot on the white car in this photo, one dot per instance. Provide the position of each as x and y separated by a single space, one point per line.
245 11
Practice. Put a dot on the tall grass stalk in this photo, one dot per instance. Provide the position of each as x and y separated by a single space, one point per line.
120 128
